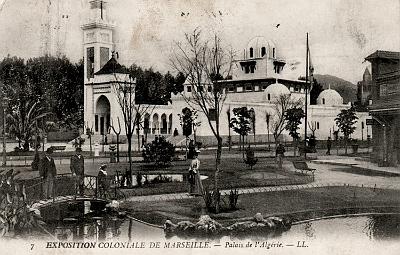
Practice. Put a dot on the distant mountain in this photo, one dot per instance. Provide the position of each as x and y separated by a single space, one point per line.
345 88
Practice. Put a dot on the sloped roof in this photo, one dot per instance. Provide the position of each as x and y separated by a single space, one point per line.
391 103
112 66
384 54
391 76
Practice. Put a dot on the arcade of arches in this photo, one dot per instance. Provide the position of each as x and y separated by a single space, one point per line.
157 124
153 124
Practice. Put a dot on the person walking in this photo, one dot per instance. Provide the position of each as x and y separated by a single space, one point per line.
196 187
47 170
280 153
77 167
329 145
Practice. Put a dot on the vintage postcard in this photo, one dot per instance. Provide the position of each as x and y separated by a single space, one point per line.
199 127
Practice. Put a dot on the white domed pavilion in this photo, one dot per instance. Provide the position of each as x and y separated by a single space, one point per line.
329 97
275 90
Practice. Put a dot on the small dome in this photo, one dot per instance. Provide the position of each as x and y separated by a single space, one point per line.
329 97
259 47
273 91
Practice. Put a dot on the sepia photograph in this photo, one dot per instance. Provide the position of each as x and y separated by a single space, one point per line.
199 127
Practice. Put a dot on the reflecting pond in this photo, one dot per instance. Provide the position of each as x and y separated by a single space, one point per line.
374 228
375 234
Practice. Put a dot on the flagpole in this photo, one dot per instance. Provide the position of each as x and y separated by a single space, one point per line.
305 106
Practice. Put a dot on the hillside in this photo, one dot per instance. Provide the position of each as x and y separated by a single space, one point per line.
345 88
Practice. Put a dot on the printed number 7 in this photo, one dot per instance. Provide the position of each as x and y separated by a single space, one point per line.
32 245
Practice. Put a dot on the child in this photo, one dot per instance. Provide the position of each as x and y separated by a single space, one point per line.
102 180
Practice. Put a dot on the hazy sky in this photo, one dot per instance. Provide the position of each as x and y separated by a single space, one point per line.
342 32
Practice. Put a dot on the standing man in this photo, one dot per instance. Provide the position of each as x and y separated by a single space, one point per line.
77 167
329 145
48 172
280 153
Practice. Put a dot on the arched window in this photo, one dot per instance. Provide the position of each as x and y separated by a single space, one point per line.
317 124
323 100
263 51
164 124
102 115
146 123
251 52
156 124
269 97
170 123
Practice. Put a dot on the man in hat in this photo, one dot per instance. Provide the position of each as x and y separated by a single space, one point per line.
48 172
77 167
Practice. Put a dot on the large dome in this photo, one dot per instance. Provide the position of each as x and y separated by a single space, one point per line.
259 47
273 91
329 97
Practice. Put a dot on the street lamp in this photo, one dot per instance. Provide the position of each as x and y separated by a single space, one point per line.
4 105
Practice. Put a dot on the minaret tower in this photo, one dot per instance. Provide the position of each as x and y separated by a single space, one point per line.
97 39
97 47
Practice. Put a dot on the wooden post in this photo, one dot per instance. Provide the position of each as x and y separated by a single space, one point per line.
54 189
97 186
305 105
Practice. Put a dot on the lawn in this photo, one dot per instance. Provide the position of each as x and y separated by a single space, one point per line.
234 174
295 204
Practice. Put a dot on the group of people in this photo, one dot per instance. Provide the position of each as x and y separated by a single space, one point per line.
47 171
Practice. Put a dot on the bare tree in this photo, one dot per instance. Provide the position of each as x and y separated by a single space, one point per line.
132 113
312 125
204 63
281 104
117 132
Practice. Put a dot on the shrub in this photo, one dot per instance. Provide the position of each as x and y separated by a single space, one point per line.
78 142
159 151
139 179
212 200
250 158
161 179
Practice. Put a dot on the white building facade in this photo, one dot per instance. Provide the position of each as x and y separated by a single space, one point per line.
257 79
